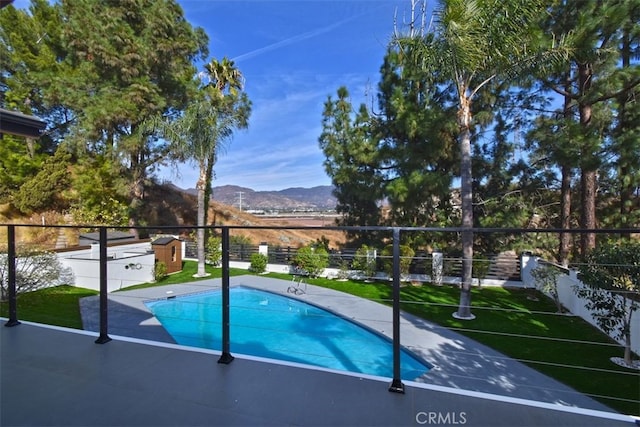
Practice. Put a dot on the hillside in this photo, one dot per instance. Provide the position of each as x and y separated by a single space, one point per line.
167 205
183 210
317 198
227 215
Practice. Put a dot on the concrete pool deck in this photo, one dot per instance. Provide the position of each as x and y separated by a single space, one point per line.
54 376
458 361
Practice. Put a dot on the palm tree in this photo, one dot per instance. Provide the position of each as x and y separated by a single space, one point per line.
199 134
474 43
225 77
225 87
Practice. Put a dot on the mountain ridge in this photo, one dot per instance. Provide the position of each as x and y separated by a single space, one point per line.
294 198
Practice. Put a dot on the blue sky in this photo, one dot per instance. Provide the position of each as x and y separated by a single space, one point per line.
293 55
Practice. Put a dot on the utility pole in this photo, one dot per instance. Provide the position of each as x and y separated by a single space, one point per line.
240 193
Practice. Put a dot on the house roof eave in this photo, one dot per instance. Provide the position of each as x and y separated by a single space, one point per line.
16 123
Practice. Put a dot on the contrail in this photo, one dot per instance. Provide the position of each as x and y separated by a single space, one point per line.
297 38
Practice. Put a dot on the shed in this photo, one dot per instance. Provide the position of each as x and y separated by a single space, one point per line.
169 251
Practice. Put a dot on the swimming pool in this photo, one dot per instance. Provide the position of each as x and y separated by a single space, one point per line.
269 325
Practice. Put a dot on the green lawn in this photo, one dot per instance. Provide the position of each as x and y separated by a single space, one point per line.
189 268
511 312
52 306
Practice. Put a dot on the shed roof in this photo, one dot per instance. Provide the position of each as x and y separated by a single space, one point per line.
163 240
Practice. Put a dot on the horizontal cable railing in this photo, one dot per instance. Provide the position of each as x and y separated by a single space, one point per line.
421 264
386 323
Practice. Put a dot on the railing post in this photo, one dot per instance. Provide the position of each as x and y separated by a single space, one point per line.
226 356
396 385
104 304
11 286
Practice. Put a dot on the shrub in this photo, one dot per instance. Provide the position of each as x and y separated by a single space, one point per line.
238 239
481 266
364 261
611 274
45 190
213 253
546 277
343 269
35 269
406 256
311 260
258 263
159 271
108 211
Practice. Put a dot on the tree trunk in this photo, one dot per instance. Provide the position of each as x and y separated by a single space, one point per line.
200 187
207 188
624 122
588 172
466 195
565 188
565 216
627 348
588 184
626 202
136 193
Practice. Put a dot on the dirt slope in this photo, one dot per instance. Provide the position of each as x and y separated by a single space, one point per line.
166 205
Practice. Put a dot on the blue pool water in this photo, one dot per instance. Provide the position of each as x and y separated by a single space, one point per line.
269 325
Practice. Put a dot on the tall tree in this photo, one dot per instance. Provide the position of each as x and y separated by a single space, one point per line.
126 61
96 70
591 80
500 200
417 141
475 43
553 136
30 51
626 133
401 152
198 135
226 84
352 162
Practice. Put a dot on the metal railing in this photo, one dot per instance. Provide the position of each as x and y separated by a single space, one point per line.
226 357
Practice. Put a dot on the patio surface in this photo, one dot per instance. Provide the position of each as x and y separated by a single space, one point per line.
56 376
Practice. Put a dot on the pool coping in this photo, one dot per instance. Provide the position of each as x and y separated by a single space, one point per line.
457 361
426 366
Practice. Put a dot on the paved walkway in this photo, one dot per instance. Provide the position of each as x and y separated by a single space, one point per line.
458 361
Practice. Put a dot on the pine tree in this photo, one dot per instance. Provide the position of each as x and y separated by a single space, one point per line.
352 162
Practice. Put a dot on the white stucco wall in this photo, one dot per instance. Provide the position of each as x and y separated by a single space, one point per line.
575 304
127 265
